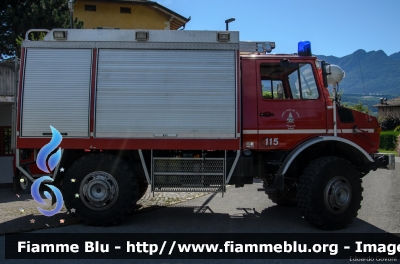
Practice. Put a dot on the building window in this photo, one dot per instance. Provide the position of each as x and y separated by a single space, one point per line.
5 141
90 8
125 10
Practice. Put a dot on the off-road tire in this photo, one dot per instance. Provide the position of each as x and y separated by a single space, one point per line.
115 173
143 186
140 175
284 197
321 179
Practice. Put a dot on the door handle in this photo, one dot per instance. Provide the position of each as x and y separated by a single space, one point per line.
267 114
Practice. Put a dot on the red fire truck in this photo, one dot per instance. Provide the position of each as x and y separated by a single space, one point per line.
191 111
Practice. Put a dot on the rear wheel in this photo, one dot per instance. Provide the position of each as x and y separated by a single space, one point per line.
140 175
99 189
329 193
143 186
24 184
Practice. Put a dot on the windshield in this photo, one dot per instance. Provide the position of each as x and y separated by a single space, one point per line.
302 83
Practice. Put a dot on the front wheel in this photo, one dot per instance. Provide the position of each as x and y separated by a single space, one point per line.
99 189
329 193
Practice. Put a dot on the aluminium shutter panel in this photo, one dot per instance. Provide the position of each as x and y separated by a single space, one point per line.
56 92
179 93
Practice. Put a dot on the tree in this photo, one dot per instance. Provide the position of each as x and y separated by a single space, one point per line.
18 16
389 122
358 107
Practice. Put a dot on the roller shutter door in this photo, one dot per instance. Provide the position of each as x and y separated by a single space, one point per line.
170 93
56 92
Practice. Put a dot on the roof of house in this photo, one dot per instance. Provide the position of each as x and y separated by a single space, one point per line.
176 22
389 103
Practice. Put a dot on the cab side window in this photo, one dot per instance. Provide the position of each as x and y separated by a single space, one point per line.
288 80
272 89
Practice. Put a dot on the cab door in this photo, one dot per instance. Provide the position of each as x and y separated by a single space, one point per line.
291 108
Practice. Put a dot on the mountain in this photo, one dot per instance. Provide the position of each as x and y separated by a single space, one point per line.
395 56
378 72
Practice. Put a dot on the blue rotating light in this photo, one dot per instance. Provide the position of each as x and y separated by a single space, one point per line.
304 48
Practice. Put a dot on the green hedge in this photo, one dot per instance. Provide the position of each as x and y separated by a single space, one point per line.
389 140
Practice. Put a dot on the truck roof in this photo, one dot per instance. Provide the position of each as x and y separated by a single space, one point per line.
137 35
148 39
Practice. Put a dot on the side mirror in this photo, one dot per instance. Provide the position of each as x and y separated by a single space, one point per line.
326 70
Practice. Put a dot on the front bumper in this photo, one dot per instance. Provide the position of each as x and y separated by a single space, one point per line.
384 161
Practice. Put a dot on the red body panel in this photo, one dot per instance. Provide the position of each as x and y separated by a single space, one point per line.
114 143
33 169
369 140
249 100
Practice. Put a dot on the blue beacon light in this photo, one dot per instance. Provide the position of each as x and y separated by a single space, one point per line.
304 48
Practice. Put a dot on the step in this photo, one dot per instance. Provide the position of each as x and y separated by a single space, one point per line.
188 175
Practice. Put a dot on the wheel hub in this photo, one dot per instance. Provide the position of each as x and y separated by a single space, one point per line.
337 194
99 190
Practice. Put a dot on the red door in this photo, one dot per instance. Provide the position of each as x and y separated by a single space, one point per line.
291 108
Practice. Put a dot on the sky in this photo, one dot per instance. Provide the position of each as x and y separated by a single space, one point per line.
337 28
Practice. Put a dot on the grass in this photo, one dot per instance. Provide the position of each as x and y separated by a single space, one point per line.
388 151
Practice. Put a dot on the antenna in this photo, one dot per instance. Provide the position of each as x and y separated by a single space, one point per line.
229 21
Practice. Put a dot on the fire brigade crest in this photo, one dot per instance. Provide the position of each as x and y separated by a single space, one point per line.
290 115
290 118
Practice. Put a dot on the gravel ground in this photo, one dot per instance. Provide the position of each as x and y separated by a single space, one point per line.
19 213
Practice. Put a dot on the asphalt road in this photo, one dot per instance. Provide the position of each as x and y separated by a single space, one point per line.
247 210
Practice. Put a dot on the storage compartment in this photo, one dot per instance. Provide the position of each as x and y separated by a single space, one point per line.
56 92
166 94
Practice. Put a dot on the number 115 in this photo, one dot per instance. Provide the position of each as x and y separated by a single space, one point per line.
271 141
